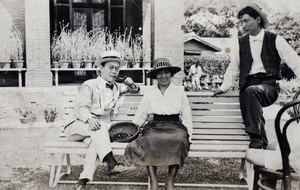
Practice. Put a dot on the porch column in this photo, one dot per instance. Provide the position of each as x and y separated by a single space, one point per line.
168 35
37 30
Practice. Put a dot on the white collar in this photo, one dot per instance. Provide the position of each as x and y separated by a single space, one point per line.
102 82
258 37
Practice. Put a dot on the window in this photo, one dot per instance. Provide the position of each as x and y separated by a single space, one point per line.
90 13
113 14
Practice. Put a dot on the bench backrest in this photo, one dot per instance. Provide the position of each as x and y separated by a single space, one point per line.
218 129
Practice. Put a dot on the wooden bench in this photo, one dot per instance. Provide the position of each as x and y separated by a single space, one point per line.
218 132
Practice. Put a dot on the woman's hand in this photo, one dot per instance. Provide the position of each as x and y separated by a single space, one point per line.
94 123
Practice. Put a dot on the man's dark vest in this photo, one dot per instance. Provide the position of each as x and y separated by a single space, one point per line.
269 56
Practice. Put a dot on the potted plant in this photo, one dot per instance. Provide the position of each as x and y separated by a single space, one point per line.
16 48
98 43
55 52
5 62
25 116
78 40
61 45
50 114
88 50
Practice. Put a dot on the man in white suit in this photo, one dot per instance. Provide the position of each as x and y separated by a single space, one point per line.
94 107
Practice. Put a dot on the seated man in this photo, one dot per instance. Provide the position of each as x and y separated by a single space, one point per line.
94 106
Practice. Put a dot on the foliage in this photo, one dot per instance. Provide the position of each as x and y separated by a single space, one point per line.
23 113
212 18
286 72
50 114
61 46
16 44
209 65
83 45
207 21
13 48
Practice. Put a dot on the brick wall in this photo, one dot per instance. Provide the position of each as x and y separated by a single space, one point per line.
37 23
168 36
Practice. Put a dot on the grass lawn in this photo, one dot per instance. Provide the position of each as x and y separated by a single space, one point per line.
25 165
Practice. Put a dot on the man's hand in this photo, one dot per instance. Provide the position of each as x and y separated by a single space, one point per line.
217 91
94 123
129 82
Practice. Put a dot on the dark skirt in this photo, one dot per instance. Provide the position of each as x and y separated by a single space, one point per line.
161 143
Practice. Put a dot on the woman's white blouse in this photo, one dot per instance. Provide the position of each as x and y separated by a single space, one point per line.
173 101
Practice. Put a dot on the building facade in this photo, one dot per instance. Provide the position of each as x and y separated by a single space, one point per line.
159 22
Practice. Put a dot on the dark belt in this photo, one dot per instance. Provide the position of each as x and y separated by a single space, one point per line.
174 117
264 76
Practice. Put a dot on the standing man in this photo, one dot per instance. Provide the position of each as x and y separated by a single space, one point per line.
256 61
94 106
195 73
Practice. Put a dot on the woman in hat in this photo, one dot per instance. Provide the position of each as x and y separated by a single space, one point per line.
165 140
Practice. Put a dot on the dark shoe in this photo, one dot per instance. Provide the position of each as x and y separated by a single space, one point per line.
257 144
270 183
121 169
81 184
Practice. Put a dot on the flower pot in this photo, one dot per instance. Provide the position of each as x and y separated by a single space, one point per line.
55 64
76 64
18 64
88 64
25 120
64 64
49 119
5 65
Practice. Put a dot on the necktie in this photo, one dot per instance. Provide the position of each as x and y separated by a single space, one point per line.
109 85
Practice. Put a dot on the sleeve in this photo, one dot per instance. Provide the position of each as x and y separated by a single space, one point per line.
141 114
83 103
186 115
232 70
123 88
288 55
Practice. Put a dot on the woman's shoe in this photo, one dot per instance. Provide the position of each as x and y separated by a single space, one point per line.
121 169
81 184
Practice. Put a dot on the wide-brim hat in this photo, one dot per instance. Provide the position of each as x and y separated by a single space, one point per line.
259 11
111 56
162 63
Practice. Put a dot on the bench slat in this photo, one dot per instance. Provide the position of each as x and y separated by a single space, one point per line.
214 99
215 106
219 131
216 113
217 120
217 154
220 137
218 126
220 147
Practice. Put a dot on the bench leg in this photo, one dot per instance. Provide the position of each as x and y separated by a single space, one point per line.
58 170
52 170
68 164
241 171
148 183
56 175
250 175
